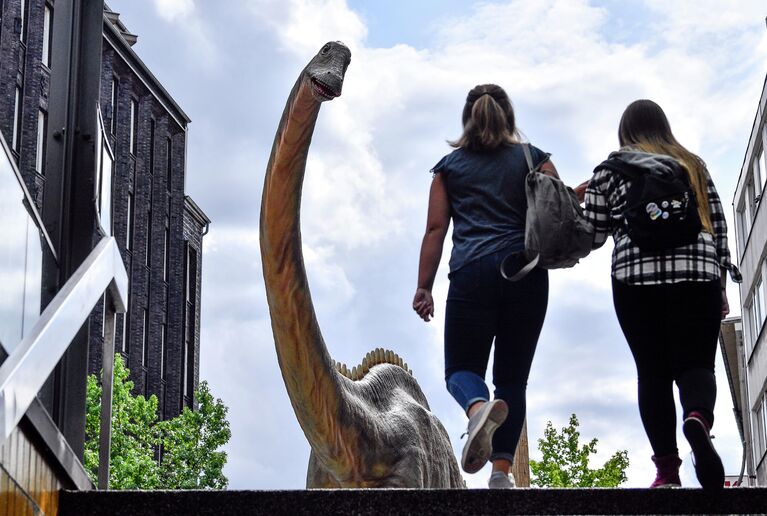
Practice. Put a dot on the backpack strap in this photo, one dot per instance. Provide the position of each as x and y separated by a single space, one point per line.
524 271
528 157
619 167
521 273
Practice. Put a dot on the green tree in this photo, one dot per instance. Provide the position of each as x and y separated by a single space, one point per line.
565 462
190 441
187 445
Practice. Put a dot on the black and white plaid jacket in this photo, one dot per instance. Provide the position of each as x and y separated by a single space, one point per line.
702 261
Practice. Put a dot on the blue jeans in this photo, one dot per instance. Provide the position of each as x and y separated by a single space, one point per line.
483 307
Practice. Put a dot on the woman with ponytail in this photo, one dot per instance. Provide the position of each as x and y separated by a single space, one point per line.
481 186
669 302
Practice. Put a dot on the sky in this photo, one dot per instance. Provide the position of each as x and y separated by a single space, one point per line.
570 67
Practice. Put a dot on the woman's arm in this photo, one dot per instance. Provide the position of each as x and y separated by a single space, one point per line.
437 222
597 208
549 169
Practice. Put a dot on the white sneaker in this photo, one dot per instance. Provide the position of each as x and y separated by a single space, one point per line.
482 425
500 480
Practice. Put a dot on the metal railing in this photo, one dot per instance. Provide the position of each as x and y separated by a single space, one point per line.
29 365
34 342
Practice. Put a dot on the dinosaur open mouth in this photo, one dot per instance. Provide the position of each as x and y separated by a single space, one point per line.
323 90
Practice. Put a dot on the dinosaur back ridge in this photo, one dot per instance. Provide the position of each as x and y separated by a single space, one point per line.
373 358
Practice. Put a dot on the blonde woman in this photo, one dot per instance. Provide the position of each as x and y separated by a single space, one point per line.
669 302
481 187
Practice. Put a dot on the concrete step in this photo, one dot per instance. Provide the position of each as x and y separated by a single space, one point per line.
410 501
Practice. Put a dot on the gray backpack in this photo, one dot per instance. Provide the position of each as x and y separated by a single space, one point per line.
557 234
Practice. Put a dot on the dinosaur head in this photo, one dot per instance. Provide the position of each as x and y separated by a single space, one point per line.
326 70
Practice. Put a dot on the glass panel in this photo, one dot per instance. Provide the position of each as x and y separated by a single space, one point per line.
756 317
16 119
40 157
759 433
105 204
760 302
751 199
742 229
20 260
47 37
133 125
23 16
113 123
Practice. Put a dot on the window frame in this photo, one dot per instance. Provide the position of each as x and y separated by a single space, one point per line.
47 24
133 137
42 131
17 114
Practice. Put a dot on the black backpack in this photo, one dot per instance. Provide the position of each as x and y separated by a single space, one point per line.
661 210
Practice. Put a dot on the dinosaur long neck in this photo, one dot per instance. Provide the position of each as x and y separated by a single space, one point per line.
314 388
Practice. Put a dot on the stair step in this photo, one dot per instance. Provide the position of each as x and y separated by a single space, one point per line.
413 501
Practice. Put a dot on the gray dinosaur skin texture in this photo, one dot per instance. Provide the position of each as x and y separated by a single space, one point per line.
375 432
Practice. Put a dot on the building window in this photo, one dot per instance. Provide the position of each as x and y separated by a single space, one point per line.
760 170
752 198
760 432
145 339
163 334
133 126
151 145
129 223
148 257
23 20
743 228
760 304
169 164
166 255
115 88
191 280
755 312
190 314
42 130
763 157
16 120
124 342
46 59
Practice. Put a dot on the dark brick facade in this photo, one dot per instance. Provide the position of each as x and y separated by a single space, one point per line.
21 67
149 203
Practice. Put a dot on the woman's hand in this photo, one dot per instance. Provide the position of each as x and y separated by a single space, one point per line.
423 304
725 304
580 191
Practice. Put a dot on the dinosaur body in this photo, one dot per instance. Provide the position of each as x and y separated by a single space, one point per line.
373 428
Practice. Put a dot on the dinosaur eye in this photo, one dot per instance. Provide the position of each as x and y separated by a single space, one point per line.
325 49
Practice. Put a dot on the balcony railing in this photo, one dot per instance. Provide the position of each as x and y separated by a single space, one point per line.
34 343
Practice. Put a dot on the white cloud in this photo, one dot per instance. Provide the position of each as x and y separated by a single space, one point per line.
305 25
367 183
171 10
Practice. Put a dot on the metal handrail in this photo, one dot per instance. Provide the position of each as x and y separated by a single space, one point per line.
29 365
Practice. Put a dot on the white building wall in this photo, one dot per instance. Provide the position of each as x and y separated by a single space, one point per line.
751 227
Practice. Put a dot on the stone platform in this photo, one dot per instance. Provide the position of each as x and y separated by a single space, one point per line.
417 502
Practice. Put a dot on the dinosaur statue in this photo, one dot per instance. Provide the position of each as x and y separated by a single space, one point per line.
370 427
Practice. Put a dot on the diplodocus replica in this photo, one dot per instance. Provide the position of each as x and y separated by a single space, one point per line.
368 427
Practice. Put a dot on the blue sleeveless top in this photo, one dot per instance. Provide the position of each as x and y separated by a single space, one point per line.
486 191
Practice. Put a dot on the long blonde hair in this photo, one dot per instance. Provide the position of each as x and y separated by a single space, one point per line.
644 127
488 120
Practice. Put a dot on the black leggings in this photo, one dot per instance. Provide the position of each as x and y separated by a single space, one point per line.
672 330
482 307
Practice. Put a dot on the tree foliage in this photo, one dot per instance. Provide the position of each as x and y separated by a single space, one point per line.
180 453
565 462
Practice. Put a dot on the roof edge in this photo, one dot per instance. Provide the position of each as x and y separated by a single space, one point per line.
115 38
195 210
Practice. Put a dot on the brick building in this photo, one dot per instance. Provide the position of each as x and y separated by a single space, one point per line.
158 227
